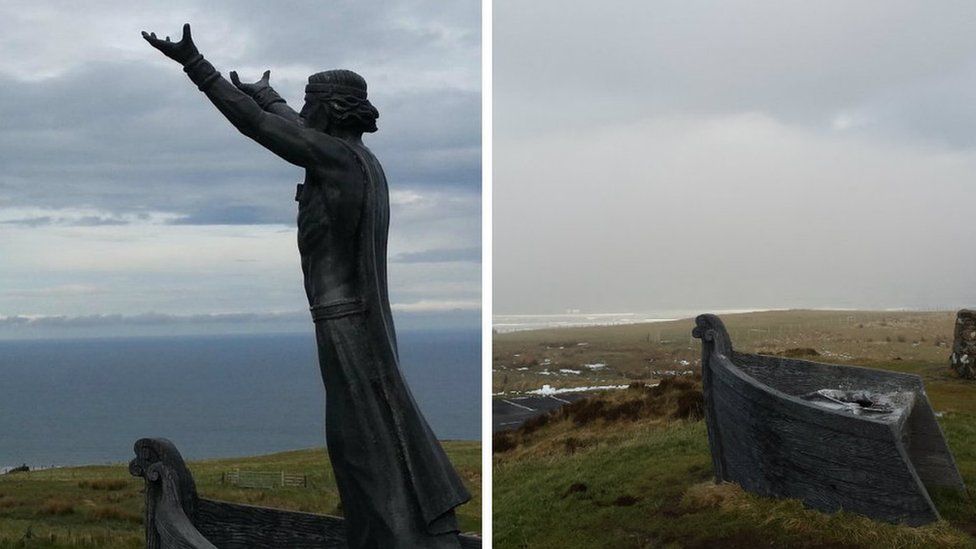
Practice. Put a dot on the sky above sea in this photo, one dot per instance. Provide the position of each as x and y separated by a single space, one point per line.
128 204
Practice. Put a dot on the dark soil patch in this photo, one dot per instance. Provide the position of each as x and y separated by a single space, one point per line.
503 442
576 488
625 501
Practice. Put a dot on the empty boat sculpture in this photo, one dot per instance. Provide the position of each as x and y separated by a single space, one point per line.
177 518
836 437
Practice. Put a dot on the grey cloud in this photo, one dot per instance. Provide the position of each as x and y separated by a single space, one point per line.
682 155
30 221
147 319
86 221
131 132
161 143
440 256
799 62
96 221
228 215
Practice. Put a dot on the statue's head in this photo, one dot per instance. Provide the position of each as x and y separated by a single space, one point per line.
336 99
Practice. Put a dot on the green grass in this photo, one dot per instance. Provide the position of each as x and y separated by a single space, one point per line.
648 483
652 487
102 506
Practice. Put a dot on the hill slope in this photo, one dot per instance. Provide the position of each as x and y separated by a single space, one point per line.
101 506
642 476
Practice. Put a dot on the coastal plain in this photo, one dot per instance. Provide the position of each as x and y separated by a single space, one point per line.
631 467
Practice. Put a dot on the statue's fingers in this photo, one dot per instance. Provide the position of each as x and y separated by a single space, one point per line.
266 76
234 79
186 33
167 38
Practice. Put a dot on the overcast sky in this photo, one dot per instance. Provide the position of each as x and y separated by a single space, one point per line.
684 155
124 192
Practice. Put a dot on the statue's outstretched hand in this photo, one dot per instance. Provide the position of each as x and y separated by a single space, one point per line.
181 51
262 92
252 89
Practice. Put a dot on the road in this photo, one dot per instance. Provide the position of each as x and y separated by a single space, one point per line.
509 413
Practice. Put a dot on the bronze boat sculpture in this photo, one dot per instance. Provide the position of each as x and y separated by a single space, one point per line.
836 437
176 517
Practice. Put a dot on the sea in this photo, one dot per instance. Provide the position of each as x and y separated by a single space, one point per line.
579 319
86 401
518 323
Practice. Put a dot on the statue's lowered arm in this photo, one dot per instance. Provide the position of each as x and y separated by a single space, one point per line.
286 138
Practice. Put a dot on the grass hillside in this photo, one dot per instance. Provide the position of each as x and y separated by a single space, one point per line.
101 506
632 468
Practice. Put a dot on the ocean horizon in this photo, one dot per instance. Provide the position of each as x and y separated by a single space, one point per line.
86 401
505 323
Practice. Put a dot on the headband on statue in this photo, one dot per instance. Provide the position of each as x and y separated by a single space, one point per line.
334 89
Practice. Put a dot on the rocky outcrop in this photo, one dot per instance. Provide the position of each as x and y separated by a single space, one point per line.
963 358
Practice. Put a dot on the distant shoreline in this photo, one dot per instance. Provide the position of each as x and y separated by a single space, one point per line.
502 324
527 322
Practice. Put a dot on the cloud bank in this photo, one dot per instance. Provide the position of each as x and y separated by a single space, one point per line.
692 155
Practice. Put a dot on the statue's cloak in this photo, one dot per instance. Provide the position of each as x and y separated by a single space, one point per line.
388 462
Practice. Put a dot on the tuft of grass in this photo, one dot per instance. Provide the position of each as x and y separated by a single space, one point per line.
114 513
110 485
653 487
790 518
7 502
55 506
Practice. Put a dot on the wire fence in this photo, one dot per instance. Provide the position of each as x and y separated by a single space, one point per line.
263 479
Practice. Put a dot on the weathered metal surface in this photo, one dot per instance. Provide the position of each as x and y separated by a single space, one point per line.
768 433
176 518
963 358
171 496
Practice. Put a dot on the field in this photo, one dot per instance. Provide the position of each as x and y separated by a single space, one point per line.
101 506
608 355
634 471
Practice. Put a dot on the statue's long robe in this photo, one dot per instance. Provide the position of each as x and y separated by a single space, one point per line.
391 471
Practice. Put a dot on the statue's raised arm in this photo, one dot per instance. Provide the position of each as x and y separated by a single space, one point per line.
275 129
266 96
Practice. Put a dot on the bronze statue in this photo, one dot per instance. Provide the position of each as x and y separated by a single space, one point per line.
398 488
